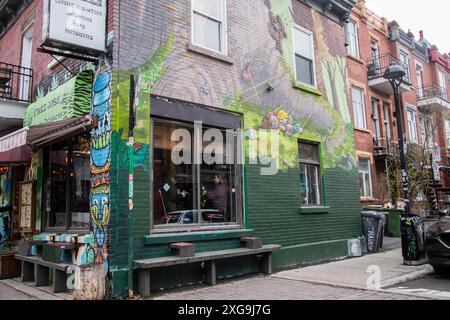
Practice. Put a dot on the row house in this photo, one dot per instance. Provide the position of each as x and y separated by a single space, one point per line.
373 44
242 69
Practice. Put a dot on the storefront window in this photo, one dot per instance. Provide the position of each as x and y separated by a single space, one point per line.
68 185
191 193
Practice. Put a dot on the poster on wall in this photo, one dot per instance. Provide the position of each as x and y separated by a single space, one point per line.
75 25
26 207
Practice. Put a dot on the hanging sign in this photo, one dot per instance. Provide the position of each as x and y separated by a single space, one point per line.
75 25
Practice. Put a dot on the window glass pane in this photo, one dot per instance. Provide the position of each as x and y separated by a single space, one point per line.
368 186
304 70
208 7
364 165
304 184
358 108
303 43
174 186
315 185
309 152
57 188
361 185
80 184
207 32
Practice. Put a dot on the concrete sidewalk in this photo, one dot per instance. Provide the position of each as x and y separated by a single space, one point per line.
358 272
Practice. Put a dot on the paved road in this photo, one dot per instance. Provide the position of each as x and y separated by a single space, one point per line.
434 287
8 293
269 288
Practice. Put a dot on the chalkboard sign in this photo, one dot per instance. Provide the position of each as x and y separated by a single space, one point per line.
27 207
413 238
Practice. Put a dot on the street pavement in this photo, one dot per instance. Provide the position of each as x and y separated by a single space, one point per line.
433 286
9 293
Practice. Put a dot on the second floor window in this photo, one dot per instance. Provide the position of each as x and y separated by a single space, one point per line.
304 56
209 25
447 132
352 39
359 109
426 132
412 126
310 177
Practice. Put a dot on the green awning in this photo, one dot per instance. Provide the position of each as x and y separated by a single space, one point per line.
70 100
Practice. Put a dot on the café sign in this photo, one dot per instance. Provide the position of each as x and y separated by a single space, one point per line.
75 25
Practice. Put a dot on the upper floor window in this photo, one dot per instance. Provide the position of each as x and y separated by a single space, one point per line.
359 109
310 177
426 132
404 58
209 24
443 84
419 73
352 39
304 56
412 126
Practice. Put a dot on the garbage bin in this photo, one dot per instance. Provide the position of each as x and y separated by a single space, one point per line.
373 227
413 240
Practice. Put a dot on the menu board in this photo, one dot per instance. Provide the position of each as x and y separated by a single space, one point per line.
26 207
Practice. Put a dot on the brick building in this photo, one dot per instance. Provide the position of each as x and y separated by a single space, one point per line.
373 43
194 60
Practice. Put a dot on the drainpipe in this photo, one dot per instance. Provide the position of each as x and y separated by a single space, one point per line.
132 123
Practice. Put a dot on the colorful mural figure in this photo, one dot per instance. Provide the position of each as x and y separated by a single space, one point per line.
97 250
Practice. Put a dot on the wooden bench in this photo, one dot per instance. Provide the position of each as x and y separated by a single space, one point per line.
37 270
143 266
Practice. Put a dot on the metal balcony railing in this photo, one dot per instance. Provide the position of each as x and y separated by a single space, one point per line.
431 91
16 83
377 66
383 147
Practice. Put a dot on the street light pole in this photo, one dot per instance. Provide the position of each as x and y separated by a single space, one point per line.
394 74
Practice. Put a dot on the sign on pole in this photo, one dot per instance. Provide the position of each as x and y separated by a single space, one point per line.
75 25
437 155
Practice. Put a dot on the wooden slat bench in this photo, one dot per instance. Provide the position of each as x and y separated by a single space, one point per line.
143 266
35 269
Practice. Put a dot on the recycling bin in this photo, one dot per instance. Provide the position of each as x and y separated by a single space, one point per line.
413 240
373 226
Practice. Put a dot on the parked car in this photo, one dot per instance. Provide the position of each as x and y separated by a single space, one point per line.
438 245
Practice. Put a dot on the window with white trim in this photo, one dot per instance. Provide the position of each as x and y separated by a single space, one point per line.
209 24
365 178
359 110
426 132
352 39
447 132
304 56
412 126
443 84
404 58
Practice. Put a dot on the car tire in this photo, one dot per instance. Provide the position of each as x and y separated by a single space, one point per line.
441 271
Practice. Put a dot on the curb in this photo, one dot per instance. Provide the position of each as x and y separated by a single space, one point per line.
30 291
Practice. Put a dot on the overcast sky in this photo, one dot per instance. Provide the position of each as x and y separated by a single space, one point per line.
431 16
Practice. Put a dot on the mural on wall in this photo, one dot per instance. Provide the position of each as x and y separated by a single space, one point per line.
96 248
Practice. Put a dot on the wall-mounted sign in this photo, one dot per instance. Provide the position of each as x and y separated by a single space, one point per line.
75 25
27 206
71 99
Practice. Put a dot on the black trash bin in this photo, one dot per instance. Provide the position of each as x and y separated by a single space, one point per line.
373 227
413 240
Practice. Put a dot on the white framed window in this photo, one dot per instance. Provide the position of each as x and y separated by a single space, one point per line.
305 70
365 178
447 132
352 39
443 84
209 25
419 73
412 126
426 131
404 58
359 109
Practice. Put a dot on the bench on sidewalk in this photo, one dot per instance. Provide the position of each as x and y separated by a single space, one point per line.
143 267
37 270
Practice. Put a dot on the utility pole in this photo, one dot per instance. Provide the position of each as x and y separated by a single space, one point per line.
132 124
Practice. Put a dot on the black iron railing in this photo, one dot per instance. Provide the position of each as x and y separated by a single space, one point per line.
432 91
16 83
377 66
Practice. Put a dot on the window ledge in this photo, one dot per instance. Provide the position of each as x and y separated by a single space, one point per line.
355 59
210 53
363 130
307 88
314 210
169 237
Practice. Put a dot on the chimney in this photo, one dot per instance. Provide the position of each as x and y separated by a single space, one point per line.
421 38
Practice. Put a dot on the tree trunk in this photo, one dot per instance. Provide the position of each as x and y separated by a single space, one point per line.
90 282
